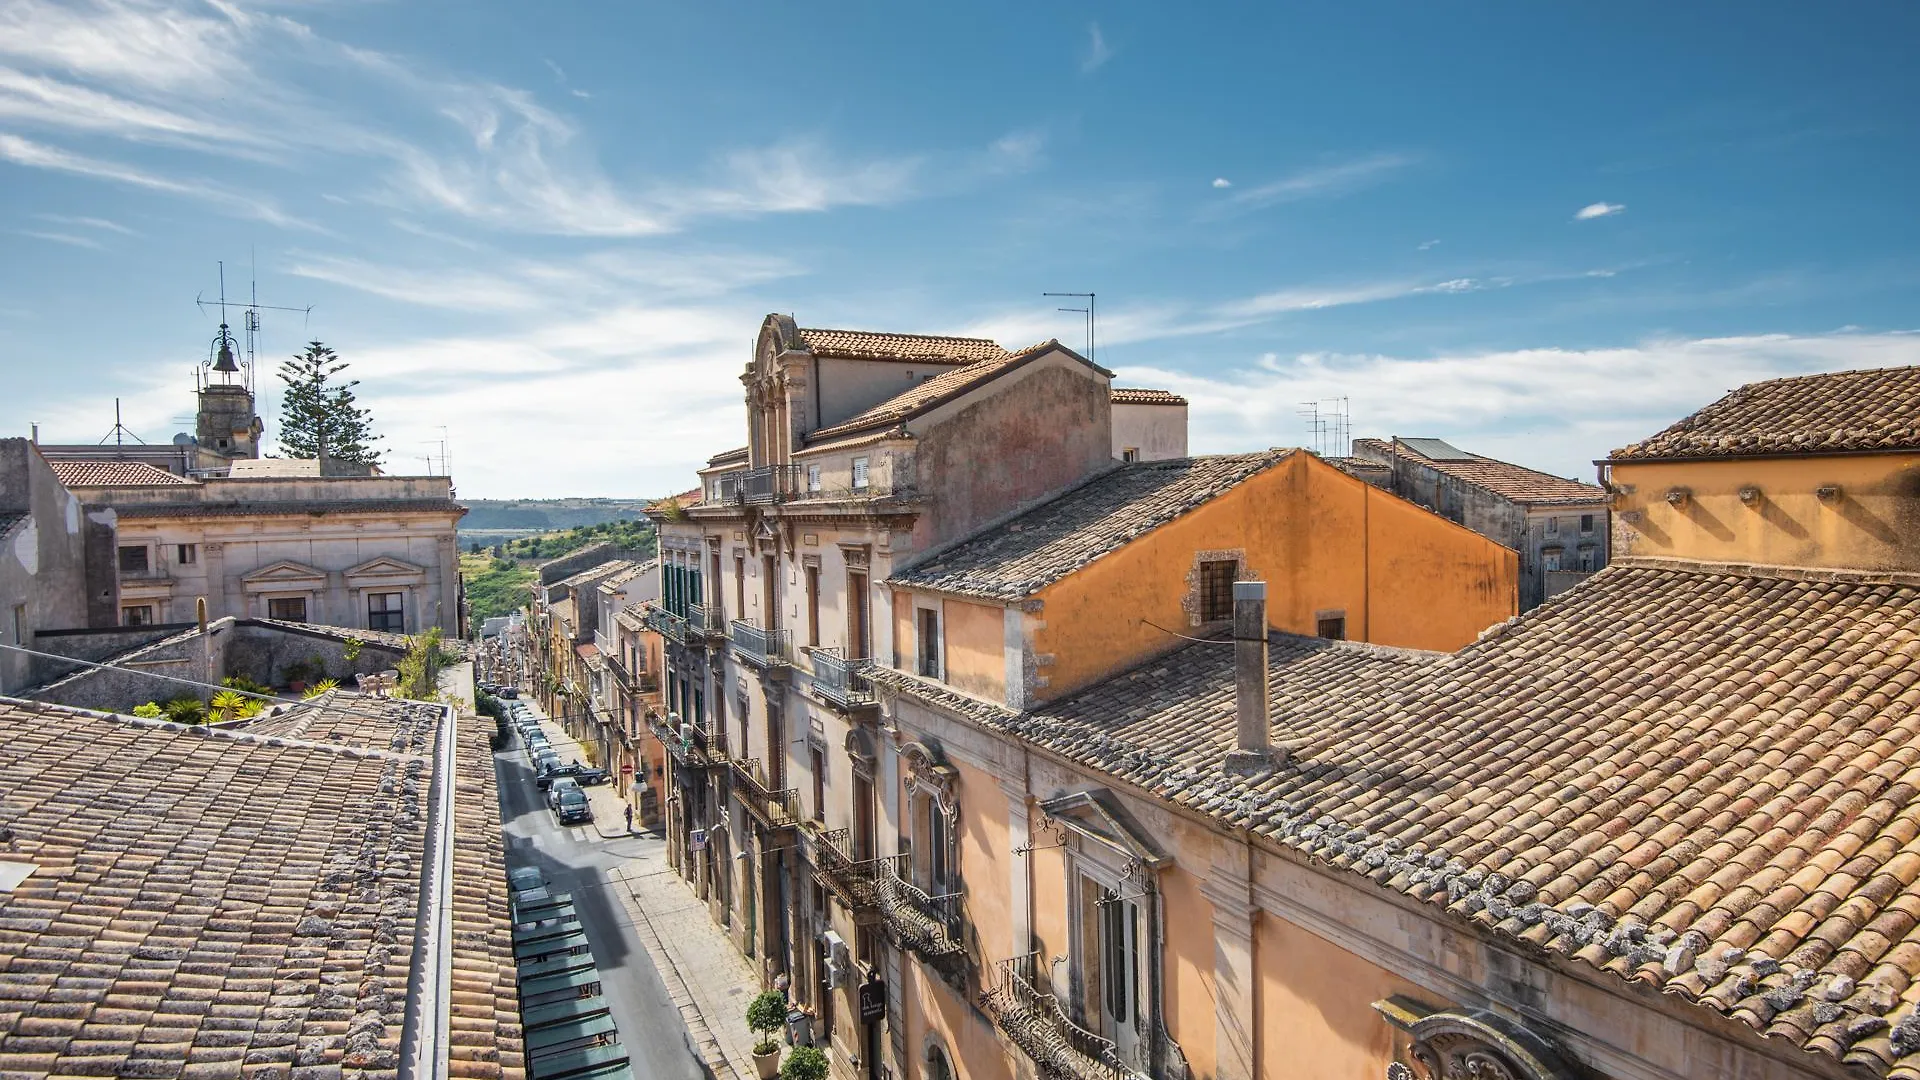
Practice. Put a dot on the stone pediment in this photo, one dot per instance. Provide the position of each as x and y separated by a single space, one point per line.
386 568
285 572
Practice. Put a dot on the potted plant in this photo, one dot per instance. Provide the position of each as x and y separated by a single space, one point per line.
296 675
805 1063
767 1014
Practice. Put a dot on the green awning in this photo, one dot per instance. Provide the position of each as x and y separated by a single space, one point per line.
561 1012
553 965
577 982
570 1036
549 946
597 1063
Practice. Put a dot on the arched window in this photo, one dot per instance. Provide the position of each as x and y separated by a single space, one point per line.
936 1066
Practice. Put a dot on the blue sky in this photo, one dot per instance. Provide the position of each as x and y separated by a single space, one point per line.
1540 231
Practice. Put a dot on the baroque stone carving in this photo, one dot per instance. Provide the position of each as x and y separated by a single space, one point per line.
1480 1046
927 770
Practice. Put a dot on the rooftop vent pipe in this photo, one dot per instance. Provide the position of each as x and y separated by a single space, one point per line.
1252 753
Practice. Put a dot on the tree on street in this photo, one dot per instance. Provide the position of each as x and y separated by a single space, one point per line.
319 416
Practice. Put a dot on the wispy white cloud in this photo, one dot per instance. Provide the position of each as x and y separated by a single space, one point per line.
1324 180
1597 210
63 238
1097 51
87 222
1552 408
1427 245
1222 182
39 156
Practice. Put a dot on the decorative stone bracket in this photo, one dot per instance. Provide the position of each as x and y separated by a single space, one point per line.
1468 1045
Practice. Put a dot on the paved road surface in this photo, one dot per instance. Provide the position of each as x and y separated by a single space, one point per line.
575 861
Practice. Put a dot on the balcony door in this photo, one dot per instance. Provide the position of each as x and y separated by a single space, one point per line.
1113 944
770 569
776 747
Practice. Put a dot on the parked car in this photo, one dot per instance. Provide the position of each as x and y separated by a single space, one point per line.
529 885
569 802
549 769
584 775
509 691
588 777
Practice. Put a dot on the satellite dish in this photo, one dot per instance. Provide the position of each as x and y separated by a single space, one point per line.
184 439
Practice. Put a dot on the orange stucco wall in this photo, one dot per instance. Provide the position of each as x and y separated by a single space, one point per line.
1321 539
1314 1006
903 629
972 1045
986 860
1188 970
1874 523
976 648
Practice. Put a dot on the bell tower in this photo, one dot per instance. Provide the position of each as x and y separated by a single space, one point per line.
227 426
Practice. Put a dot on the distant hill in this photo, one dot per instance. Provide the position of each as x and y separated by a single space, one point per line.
496 521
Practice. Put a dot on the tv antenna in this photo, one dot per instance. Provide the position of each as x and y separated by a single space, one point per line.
1087 311
250 319
120 434
1331 429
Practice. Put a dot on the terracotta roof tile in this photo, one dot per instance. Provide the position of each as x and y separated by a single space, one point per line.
203 898
1702 778
1875 409
1129 395
1019 557
112 474
917 348
1516 483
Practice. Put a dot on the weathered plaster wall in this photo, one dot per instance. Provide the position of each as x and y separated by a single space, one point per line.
1321 539
91 644
1316 1015
44 562
131 682
846 388
1188 970
1871 523
1048 424
1159 432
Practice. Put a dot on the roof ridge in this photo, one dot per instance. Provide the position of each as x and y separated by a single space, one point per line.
892 333
209 730
1833 574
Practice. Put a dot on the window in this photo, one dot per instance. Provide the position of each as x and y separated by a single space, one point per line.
1550 559
1586 523
1331 627
287 608
857 638
1112 965
929 622
739 584
1587 559
860 474
817 761
137 615
770 589
813 478
387 611
1130 454
133 559
813 605
776 749
186 554
1553 526
19 624
1216 589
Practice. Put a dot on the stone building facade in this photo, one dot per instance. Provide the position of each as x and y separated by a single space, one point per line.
1559 526
56 561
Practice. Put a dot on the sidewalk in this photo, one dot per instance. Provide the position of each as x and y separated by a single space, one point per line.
707 978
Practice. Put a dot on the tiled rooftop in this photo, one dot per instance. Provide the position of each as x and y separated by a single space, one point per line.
218 903
929 393
594 574
1132 395
685 500
1019 557
1876 409
917 348
342 719
1704 779
112 474
1509 481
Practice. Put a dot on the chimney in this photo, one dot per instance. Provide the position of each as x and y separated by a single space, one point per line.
1252 754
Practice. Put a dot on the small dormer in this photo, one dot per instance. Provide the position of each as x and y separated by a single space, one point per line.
1816 471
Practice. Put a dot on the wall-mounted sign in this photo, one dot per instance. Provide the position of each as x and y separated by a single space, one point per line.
697 839
873 1001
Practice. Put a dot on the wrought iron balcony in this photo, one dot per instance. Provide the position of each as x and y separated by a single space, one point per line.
704 622
1034 1021
854 881
687 742
667 625
773 809
926 925
840 681
761 648
769 484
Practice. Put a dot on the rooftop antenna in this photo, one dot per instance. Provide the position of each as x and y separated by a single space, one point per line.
119 434
1088 311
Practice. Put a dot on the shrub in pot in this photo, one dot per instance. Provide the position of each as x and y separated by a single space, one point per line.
767 1014
805 1063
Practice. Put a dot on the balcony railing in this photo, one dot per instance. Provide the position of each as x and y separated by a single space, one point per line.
761 648
855 881
927 925
1034 1021
667 625
769 484
841 681
774 809
686 742
704 622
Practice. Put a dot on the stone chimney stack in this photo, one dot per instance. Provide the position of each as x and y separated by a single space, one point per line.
1252 753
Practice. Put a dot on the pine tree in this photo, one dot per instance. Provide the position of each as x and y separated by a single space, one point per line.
317 413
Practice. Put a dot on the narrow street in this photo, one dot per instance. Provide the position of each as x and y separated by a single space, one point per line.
577 860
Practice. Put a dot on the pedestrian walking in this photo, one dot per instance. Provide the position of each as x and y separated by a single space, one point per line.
629 817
